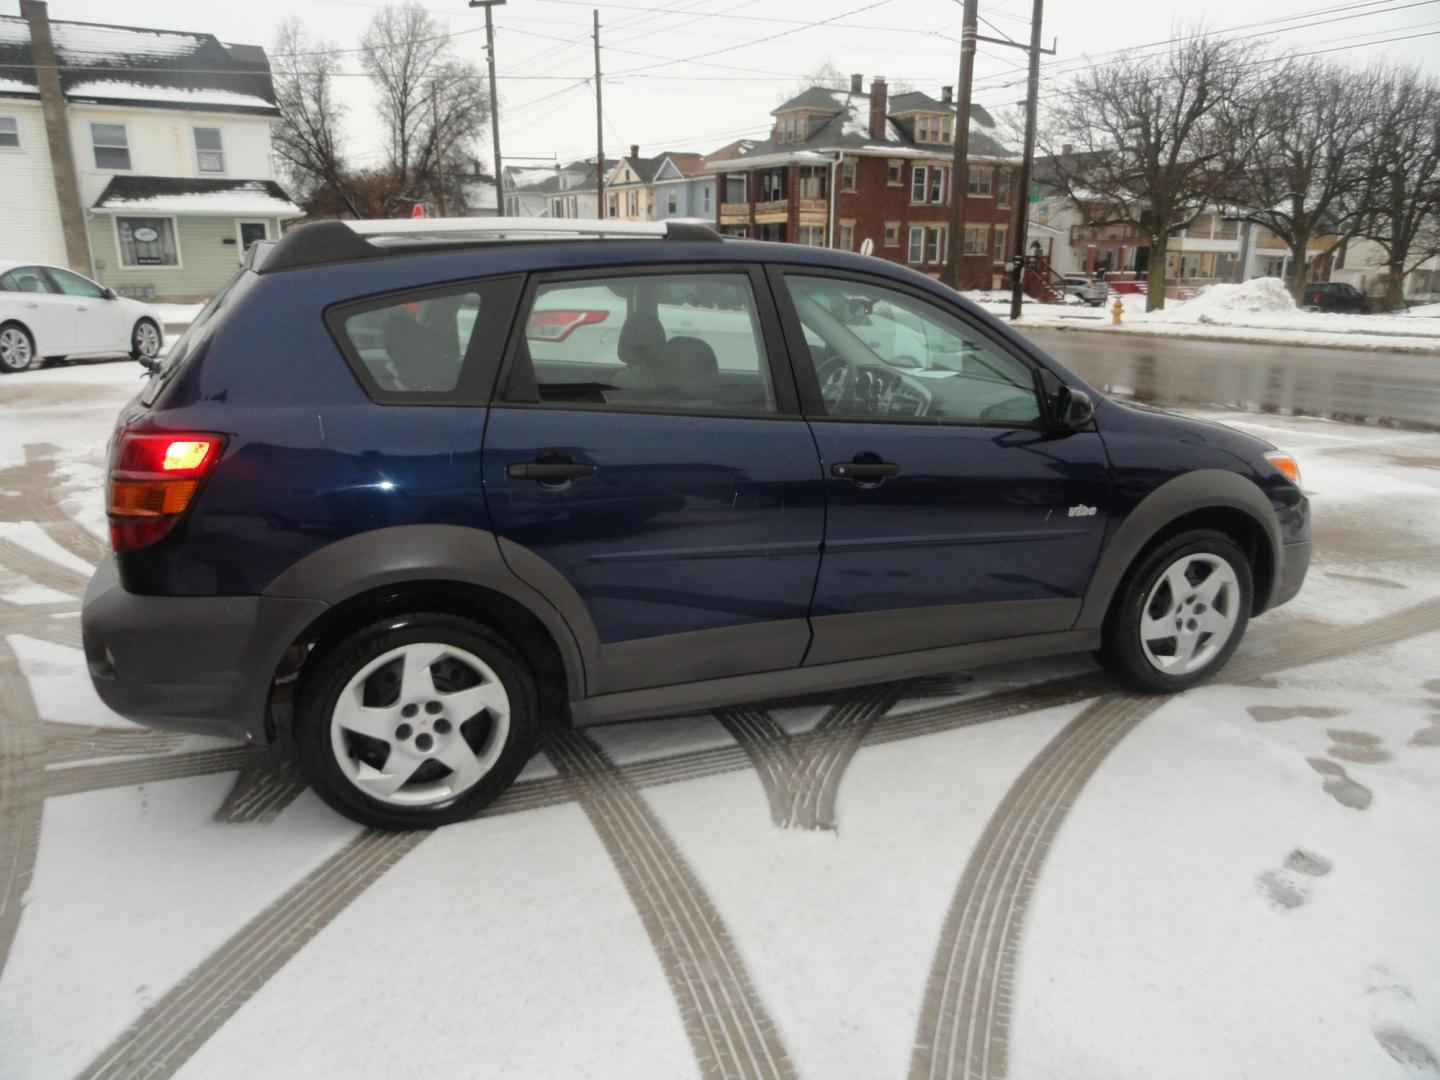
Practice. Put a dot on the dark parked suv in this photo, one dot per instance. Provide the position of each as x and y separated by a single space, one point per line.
1335 296
405 488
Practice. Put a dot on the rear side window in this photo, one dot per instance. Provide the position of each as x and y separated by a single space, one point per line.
429 346
25 279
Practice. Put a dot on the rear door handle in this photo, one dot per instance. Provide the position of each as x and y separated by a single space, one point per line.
548 471
863 470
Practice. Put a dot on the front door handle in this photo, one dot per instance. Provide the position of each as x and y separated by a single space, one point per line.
549 471
864 470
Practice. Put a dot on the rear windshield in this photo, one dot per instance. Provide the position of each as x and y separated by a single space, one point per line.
175 357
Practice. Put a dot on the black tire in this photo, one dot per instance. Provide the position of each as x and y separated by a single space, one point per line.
1122 653
322 687
10 367
136 352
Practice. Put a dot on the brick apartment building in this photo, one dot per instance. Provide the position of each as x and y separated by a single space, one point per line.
845 166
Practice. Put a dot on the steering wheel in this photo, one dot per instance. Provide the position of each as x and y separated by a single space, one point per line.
837 376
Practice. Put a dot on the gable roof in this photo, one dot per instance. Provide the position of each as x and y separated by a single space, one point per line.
731 151
135 66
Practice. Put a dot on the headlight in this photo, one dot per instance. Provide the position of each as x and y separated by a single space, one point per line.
1285 464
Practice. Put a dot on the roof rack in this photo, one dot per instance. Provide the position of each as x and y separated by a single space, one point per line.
341 241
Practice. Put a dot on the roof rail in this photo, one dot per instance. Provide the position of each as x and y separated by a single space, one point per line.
342 241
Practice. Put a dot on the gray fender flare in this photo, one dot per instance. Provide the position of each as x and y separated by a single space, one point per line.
1202 489
406 553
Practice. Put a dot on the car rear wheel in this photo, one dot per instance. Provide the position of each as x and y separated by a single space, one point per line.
17 348
145 341
1180 613
416 721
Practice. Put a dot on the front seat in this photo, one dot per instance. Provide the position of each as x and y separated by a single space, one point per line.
690 373
642 349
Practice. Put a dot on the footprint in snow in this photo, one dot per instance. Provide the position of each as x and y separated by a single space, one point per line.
1289 887
1356 746
1339 786
1266 714
1407 1050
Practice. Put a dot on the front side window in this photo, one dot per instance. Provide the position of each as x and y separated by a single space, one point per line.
209 153
29 279
112 147
147 241
880 352
72 284
415 346
9 133
688 342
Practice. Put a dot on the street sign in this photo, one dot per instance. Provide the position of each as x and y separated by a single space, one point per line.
418 210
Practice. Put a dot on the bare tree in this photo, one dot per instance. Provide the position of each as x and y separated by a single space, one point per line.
307 138
432 102
1403 135
824 74
1154 139
1307 177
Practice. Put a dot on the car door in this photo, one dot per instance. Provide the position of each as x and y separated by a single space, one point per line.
954 512
100 324
647 470
38 304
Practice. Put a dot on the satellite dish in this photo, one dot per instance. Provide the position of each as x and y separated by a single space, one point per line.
867 246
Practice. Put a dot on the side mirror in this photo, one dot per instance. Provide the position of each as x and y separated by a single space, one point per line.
109 293
1070 409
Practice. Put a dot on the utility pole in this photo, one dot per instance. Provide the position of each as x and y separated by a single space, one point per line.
599 128
438 149
960 166
1027 161
494 99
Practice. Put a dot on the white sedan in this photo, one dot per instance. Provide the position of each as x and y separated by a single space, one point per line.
48 311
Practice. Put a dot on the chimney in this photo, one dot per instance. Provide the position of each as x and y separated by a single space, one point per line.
857 84
57 135
947 95
1066 148
634 150
878 107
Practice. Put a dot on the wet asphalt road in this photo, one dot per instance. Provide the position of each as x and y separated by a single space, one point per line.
1402 389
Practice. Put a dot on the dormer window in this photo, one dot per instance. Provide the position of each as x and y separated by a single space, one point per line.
794 128
938 128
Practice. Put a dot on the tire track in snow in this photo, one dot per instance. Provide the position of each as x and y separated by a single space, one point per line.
66 743
730 1030
965 1016
35 484
75 779
41 570
21 756
170 1031
39 624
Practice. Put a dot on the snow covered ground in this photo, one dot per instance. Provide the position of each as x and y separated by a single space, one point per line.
1259 310
1012 871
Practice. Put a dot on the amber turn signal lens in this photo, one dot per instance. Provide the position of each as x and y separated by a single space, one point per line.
145 498
1286 465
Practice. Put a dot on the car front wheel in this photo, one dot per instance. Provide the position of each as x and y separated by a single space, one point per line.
416 721
17 348
1180 613
145 341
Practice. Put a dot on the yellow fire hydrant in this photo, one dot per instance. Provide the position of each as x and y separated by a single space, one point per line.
1116 310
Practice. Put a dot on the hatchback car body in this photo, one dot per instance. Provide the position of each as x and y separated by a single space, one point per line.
1336 296
1092 291
407 487
48 312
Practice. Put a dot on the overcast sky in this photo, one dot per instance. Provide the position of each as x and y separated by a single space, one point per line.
671 99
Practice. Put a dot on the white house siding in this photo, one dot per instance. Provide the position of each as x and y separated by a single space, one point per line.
32 212
162 143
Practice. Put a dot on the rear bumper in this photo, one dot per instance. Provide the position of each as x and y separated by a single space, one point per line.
200 664
1290 574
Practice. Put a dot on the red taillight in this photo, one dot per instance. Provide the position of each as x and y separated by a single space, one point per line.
153 480
557 325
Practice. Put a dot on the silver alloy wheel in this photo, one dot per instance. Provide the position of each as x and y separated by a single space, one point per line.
147 340
1190 613
425 737
15 351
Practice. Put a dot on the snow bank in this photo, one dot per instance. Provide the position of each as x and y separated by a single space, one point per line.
1227 304
1423 311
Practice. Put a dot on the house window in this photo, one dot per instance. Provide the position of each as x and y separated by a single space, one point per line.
632 204
147 241
209 154
9 133
847 176
979 181
740 231
947 129
705 198
1002 187
847 236
892 234
811 235
672 201
112 149
735 189
772 185
975 239
612 205
813 181
939 184
917 184
1002 234
916 251
895 176
935 246
922 129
